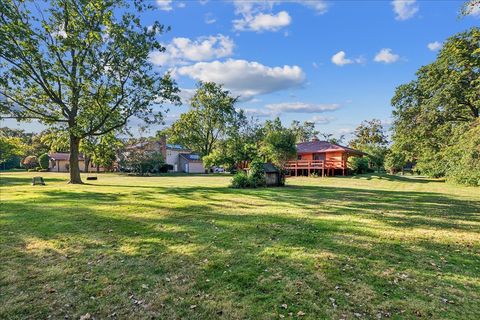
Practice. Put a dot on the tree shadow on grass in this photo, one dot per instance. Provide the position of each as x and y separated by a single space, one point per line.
222 250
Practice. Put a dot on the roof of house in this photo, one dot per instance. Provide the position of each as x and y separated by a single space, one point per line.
323 146
191 157
63 156
176 147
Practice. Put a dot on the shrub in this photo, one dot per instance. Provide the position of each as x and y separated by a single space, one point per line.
256 174
240 180
394 162
44 161
358 165
142 163
30 162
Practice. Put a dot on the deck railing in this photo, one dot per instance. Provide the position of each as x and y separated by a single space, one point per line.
320 166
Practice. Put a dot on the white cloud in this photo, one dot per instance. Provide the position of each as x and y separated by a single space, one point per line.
262 22
186 94
182 50
261 113
404 9
246 78
434 46
209 18
181 4
256 15
386 56
165 5
340 59
322 119
319 6
302 107
345 130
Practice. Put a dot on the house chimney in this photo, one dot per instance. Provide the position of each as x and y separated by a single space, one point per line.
163 147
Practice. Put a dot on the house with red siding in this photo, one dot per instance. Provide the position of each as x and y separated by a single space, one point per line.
322 158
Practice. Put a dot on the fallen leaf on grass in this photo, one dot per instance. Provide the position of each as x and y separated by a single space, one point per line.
86 316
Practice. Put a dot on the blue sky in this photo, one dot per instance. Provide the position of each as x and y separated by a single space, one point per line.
334 62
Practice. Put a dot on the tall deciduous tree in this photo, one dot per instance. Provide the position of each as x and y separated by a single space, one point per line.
82 65
211 115
444 96
304 132
369 133
278 145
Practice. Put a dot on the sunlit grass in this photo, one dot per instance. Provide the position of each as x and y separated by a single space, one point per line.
189 247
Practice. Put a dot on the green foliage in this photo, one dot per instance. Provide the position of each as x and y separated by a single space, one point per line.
82 66
304 132
463 158
254 179
358 165
256 174
44 161
240 180
142 163
211 115
278 145
101 150
330 138
444 97
369 133
394 161
375 156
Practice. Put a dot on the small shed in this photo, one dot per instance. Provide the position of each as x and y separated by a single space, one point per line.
273 175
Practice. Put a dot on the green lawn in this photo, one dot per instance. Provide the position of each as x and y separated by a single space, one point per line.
189 247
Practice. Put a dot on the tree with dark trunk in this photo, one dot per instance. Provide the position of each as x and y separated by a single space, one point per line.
80 66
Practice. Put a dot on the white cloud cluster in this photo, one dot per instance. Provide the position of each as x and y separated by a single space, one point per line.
165 5
434 46
254 18
404 9
302 107
322 119
262 22
386 56
245 78
183 50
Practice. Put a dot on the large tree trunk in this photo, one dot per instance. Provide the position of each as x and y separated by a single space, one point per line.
74 166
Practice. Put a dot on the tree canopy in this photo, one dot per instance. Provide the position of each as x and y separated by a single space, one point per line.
80 65
212 114
444 96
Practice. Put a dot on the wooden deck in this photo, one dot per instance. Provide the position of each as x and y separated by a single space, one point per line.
320 167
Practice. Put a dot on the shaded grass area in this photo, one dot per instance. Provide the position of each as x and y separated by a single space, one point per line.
190 247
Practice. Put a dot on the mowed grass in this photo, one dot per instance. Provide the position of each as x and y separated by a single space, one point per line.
189 247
